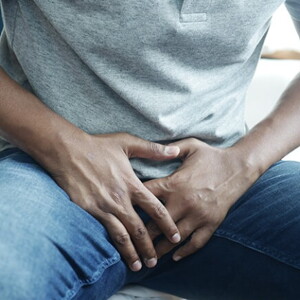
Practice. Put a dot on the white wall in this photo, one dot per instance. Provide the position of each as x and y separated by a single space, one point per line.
273 76
282 34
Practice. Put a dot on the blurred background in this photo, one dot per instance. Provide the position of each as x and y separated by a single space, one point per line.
282 40
279 65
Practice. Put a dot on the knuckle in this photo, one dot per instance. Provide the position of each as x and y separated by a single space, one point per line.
126 135
136 189
122 213
210 220
160 211
90 206
104 206
172 181
122 239
130 257
84 205
107 219
206 217
185 232
191 202
193 141
123 135
195 245
155 148
140 233
197 241
153 228
118 196
125 139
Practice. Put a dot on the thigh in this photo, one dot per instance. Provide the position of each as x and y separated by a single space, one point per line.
50 248
254 254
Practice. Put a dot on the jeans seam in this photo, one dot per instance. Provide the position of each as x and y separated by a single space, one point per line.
70 293
256 246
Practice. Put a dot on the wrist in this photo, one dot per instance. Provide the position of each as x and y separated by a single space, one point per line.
248 162
57 144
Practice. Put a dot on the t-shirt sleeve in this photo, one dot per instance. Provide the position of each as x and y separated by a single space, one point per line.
293 7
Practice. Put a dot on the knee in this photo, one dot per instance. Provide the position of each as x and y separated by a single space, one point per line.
19 279
27 271
49 265
283 183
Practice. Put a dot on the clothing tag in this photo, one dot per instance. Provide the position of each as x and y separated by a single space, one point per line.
195 17
194 10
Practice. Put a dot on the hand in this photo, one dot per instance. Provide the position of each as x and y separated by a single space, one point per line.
200 193
96 173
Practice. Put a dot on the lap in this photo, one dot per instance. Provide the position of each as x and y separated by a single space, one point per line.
46 236
267 216
254 254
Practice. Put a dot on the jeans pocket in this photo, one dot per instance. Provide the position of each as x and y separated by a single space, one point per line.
194 10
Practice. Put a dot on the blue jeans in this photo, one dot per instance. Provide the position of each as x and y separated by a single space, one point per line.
50 248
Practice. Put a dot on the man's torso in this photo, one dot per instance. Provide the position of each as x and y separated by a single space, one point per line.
162 70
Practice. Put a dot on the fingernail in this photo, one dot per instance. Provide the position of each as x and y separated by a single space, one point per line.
136 266
177 257
171 150
176 238
150 263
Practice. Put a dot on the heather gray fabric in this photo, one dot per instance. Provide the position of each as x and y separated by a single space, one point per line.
160 69
293 7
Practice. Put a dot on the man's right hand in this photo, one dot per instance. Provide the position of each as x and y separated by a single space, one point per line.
94 170
96 173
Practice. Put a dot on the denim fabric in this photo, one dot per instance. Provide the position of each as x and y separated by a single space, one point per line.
49 246
52 249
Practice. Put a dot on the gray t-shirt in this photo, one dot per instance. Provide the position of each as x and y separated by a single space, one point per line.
160 69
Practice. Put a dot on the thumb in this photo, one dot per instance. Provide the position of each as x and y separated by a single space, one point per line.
187 147
137 147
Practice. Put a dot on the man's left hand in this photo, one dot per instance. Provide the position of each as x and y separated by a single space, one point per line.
199 194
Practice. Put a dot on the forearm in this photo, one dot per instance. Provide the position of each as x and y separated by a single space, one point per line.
276 135
30 125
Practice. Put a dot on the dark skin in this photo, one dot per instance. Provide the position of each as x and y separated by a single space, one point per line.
93 169
99 178
200 193
197 196
210 180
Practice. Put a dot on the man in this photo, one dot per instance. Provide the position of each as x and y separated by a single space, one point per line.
133 110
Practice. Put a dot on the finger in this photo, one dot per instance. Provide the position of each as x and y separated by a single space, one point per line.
152 227
139 235
186 146
122 242
185 227
199 238
153 230
156 187
137 147
159 214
